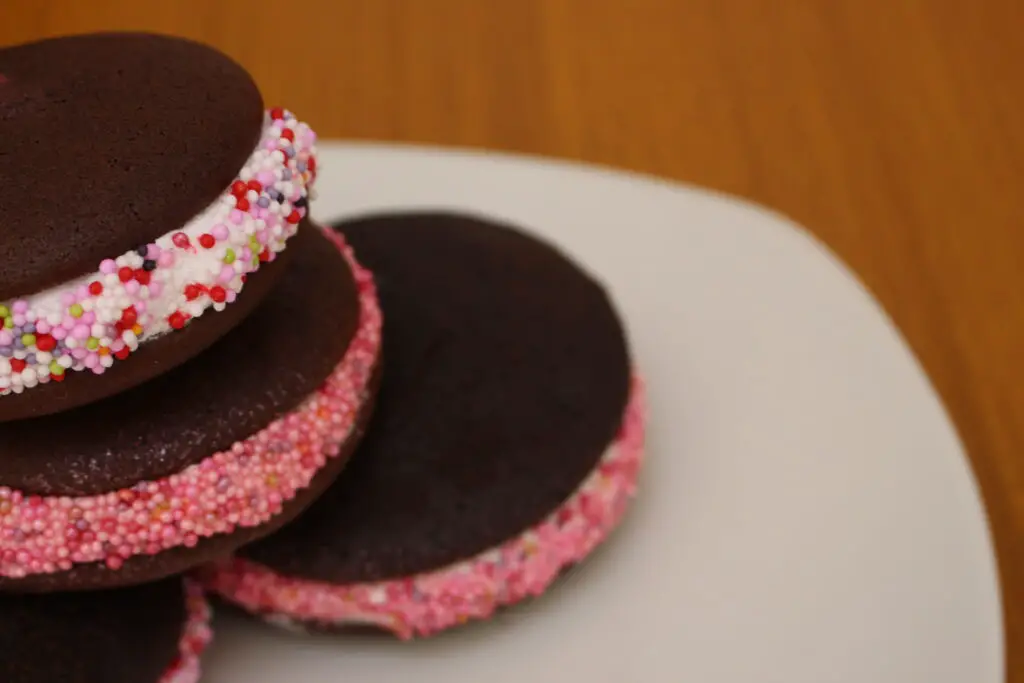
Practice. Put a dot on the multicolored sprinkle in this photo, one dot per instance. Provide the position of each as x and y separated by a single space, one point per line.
90 322
473 589
195 637
243 486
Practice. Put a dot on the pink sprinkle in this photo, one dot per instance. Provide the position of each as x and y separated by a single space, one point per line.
89 317
227 273
236 216
79 353
59 333
230 296
263 214
91 360
155 288
42 327
266 178
68 323
140 306
19 319
220 232
132 287
107 266
6 338
153 252
166 259
82 292
246 254
20 306
80 332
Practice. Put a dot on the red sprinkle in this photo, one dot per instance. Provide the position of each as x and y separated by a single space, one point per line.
238 188
142 276
129 316
265 255
311 164
45 342
180 240
206 240
123 353
177 320
294 217
125 274
218 294
242 204
192 292
17 364
288 135
58 378
254 185
96 288
277 113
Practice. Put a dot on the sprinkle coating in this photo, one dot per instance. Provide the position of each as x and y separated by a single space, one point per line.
425 604
93 321
195 637
243 486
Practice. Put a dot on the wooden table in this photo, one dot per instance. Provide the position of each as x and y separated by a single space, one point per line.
892 129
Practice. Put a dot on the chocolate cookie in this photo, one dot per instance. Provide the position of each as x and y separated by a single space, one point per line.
219 451
142 185
153 633
505 444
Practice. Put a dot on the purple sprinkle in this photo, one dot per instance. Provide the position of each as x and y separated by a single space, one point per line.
289 152
81 525
30 328
17 331
18 344
301 166
30 359
263 202
6 351
286 174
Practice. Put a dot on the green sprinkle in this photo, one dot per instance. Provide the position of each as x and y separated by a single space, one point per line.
4 311
28 339
9 323
76 310
229 256
56 368
92 343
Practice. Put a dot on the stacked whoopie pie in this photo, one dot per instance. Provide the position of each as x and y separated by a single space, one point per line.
185 360
187 364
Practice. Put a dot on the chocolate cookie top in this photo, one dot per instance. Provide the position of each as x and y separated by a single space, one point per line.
506 377
260 370
108 141
122 636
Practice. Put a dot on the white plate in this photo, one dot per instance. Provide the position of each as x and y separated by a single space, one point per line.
807 514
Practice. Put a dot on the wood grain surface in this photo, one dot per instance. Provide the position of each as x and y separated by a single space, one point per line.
892 129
